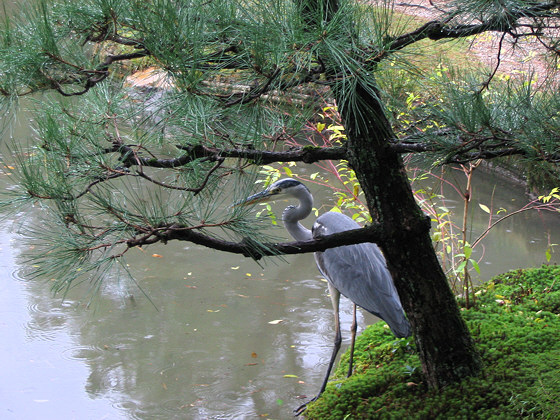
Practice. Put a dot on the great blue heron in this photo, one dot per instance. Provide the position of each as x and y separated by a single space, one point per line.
359 271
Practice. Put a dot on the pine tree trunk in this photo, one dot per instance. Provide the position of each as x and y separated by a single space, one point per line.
443 341
445 347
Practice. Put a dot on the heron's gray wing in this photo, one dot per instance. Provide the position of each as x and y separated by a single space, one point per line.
360 273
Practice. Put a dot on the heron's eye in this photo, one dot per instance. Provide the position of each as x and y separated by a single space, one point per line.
275 190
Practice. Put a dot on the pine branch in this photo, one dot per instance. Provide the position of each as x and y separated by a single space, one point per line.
505 22
316 154
254 93
195 190
249 248
97 75
301 154
503 152
288 83
477 150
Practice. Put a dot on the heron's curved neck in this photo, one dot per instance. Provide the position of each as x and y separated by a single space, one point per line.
293 214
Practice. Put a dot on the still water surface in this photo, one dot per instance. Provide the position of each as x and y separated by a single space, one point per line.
222 337
205 347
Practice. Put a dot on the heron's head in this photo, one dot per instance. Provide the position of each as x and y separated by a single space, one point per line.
276 190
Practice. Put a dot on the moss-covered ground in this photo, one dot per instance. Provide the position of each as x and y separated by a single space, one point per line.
516 326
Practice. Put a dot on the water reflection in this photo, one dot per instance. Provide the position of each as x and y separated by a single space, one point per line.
516 242
209 350
34 331
222 337
205 347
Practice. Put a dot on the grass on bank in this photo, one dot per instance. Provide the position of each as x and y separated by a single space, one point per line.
516 326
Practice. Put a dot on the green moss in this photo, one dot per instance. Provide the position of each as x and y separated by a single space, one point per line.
310 148
516 327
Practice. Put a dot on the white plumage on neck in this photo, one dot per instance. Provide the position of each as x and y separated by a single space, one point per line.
293 214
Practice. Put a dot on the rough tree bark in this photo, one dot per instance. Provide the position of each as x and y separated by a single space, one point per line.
445 347
443 341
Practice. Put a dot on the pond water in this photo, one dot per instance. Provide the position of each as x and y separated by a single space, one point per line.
219 337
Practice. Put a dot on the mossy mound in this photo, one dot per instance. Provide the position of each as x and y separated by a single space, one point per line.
516 326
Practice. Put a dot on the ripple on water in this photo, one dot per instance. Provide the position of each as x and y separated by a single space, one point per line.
46 316
177 408
167 409
17 275
89 353
111 343
45 321
220 398
315 284
131 408
124 340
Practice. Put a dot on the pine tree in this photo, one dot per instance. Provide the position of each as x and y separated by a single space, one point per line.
117 165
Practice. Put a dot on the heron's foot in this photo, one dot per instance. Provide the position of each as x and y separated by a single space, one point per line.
299 411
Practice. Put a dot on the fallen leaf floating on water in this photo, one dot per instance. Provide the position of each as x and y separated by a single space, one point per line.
254 355
290 376
276 321
484 208
157 256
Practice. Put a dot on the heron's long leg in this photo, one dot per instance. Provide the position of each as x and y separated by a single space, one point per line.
335 299
353 329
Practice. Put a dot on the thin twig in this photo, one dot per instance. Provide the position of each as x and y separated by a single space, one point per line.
498 62
195 190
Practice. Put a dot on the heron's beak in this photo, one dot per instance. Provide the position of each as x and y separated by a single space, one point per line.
256 198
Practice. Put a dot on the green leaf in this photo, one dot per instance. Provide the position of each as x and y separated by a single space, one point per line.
461 266
475 265
467 250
